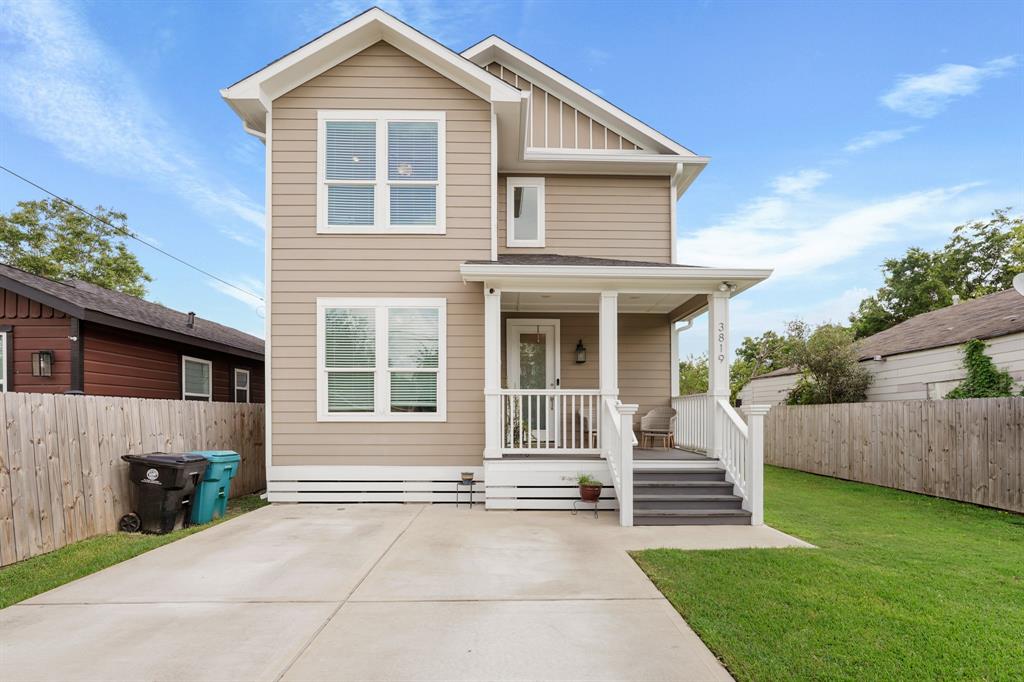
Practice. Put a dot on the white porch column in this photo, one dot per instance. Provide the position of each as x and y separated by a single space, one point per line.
492 372
755 454
674 369
608 344
718 366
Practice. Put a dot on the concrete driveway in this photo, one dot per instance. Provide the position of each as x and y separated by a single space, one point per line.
376 592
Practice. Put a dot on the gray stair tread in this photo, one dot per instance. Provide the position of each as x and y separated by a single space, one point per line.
687 497
702 470
691 512
681 484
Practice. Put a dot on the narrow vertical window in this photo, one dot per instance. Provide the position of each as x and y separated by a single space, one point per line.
3 362
524 221
242 390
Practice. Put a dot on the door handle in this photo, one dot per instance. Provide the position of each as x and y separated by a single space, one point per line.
558 382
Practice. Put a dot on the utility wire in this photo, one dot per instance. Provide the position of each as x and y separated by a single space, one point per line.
125 232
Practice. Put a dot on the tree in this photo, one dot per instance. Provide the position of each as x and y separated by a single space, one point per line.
759 355
830 372
984 379
693 375
980 258
51 239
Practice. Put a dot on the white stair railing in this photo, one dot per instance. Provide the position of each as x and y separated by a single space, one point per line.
550 421
692 421
740 447
618 437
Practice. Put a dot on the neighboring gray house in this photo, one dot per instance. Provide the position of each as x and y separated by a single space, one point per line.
472 268
921 358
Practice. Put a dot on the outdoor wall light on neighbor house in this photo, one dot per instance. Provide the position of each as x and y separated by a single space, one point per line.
581 352
42 363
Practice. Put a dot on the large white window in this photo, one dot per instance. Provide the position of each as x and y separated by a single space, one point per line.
381 171
3 361
381 359
196 379
524 221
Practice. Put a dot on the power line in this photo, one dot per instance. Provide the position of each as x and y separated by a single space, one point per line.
125 232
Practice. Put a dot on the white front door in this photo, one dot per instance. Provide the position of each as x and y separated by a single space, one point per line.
532 363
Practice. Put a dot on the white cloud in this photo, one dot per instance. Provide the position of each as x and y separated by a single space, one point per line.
65 87
247 282
876 138
925 95
800 182
800 234
441 20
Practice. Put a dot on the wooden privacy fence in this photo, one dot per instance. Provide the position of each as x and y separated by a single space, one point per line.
967 450
61 474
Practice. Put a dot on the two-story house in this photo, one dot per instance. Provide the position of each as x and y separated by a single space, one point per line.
471 267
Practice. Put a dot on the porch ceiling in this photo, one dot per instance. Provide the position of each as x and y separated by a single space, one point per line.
570 302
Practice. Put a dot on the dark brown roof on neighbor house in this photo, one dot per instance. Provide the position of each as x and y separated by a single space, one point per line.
988 317
557 259
91 302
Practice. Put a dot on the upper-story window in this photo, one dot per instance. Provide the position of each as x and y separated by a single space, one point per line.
525 220
381 172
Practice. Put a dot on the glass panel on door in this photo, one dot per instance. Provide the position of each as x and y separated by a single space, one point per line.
533 363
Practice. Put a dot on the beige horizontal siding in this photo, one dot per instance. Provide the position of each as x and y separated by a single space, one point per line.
305 265
602 216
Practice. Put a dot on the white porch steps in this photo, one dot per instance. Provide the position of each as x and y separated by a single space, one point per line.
694 494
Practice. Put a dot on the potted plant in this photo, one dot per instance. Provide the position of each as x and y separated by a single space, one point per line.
467 476
590 487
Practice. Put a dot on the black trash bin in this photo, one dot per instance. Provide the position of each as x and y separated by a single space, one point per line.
166 484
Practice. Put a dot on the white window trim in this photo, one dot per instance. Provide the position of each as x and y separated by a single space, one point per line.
4 349
382 384
381 199
248 384
510 185
185 395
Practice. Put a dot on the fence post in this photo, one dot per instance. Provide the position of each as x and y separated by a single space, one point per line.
755 460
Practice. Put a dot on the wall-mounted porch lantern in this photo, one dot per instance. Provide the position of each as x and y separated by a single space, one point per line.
581 352
42 363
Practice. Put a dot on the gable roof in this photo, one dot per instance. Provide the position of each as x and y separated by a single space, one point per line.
90 302
987 317
251 96
494 48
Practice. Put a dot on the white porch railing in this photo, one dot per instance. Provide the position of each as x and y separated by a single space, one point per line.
740 448
551 421
617 428
692 421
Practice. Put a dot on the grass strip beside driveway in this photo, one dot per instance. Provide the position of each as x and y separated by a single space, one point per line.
44 572
903 586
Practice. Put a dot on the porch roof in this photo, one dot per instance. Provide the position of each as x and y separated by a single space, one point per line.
583 274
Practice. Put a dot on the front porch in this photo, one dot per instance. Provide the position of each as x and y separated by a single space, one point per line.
552 412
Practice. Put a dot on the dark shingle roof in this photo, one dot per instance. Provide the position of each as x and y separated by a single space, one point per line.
80 298
557 259
987 317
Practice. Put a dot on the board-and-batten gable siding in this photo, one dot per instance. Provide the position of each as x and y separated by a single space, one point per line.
557 125
603 216
644 355
305 266
130 365
36 327
906 376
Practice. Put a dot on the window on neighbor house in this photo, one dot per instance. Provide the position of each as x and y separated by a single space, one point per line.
196 379
381 360
241 385
525 213
3 361
381 172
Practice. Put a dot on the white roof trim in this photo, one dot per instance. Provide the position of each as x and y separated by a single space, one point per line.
491 48
251 96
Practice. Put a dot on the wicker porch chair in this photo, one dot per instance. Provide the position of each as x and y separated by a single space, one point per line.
658 423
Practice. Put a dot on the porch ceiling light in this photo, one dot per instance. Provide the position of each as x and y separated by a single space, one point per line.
727 286
42 363
581 352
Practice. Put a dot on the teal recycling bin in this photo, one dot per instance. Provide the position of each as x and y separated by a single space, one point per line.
211 497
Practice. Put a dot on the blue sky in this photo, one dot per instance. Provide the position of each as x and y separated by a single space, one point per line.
840 133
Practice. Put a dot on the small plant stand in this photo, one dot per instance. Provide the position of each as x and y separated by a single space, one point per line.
579 501
467 486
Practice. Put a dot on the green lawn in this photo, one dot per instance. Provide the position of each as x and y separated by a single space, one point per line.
47 571
902 586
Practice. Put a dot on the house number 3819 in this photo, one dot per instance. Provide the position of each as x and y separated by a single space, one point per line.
721 342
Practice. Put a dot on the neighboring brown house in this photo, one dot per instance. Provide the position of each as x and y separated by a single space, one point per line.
77 337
